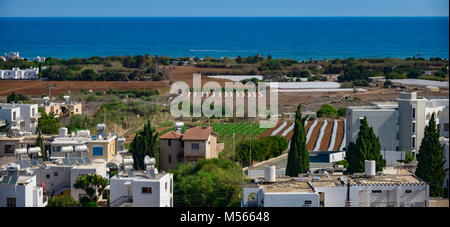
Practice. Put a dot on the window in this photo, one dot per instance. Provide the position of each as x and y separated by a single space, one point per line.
9 149
376 191
169 142
170 158
413 127
11 202
14 116
195 146
170 185
408 191
47 176
446 127
414 113
146 190
165 186
97 151
307 202
361 120
55 174
413 142
57 149
33 111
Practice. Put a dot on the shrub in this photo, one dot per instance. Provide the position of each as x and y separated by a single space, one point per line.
327 110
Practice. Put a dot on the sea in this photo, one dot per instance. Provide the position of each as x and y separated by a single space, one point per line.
300 38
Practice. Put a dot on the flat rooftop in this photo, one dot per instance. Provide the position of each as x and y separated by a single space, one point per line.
400 178
287 184
139 175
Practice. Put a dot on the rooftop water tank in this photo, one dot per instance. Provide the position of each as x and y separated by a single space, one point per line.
270 174
67 99
179 126
66 149
46 100
81 148
370 168
63 132
34 150
101 128
20 151
84 133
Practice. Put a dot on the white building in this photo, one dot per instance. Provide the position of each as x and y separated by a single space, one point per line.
12 56
399 125
141 188
396 188
39 59
19 74
19 188
21 117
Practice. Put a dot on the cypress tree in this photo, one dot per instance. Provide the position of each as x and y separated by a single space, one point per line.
145 143
430 166
366 147
298 157
40 143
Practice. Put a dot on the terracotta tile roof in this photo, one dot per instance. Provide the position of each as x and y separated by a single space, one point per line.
197 133
171 135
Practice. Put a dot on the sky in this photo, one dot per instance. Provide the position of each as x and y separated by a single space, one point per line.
221 8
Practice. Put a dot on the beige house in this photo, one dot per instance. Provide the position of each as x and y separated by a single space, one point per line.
66 108
194 144
9 143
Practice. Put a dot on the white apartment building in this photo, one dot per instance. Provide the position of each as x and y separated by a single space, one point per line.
20 117
20 188
19 74
399 125
141 188
393 188
12 55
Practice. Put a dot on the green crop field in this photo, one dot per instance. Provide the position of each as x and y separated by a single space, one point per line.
241 130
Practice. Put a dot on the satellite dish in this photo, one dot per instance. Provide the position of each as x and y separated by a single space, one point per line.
147 160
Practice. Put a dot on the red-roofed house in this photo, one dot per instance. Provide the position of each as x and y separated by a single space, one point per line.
194 144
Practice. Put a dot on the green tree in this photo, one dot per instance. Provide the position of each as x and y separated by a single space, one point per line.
327 110
47 123
430 166
13 97
145 143
367 147
40 143
63 201
210 183
298 157
93 185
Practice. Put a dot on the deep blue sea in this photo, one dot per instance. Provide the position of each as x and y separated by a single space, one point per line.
300 38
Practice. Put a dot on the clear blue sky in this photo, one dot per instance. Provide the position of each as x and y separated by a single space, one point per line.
221 8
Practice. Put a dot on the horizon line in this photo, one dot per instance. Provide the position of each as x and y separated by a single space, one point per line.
212 16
